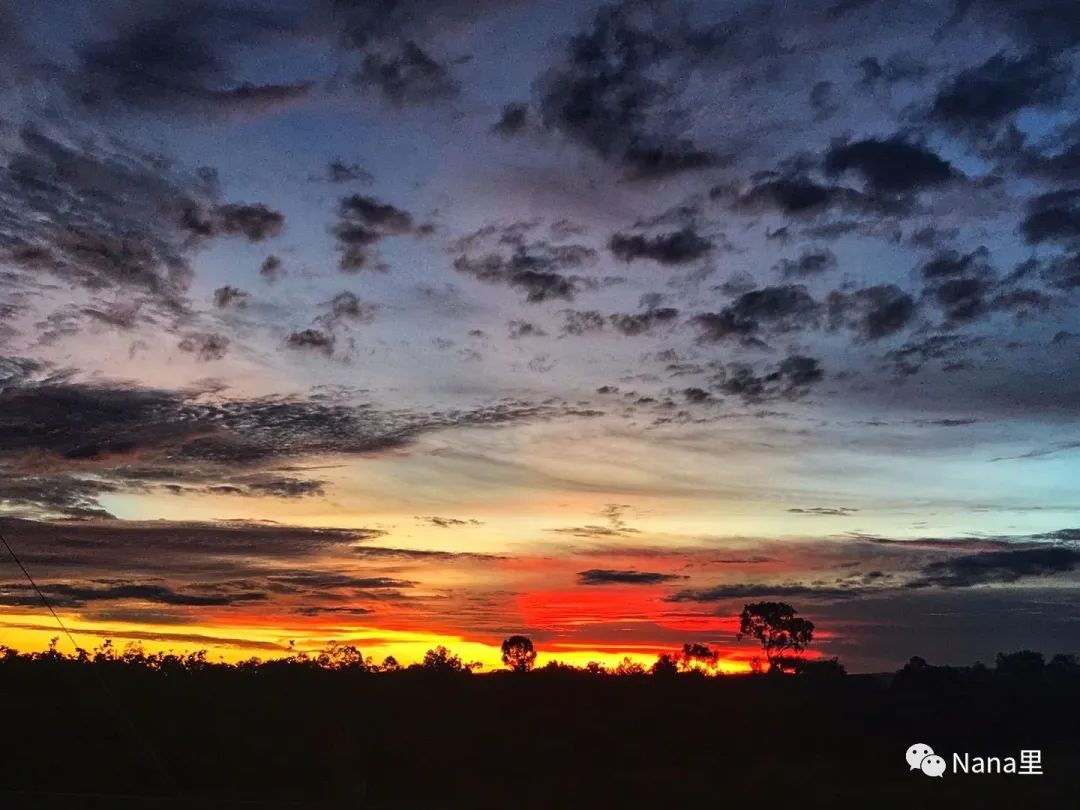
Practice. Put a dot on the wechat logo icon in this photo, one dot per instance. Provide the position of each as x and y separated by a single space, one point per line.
921 757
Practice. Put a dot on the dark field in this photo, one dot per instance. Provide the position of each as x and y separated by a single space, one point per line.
297 735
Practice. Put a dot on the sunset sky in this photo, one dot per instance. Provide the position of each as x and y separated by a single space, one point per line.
431 322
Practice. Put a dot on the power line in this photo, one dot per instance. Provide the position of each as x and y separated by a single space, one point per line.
37 590
135 732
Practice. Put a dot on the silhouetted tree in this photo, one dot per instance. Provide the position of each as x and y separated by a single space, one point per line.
1064 664
916 664
665 667
1021 662
698 657
629 667
518 653
441 659
341 656
777 628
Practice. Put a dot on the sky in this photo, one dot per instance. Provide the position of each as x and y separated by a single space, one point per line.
404 324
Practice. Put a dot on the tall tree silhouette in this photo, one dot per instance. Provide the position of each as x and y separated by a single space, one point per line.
778 629
518 653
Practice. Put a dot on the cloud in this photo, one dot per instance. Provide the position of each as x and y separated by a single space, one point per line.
272 268
783 308
406 74
810 263
678 247
362 222
890 166
229 296
1053 217
989 567
311 340
206 347
824 511
98 216
982 97
538 268
787 379
606 97
798 196
581 322
872 313
256 222
642 323
347 306
177 62
63 443
522 329
960 284
513 120
65 595
721 593
604 576
447 522
338 171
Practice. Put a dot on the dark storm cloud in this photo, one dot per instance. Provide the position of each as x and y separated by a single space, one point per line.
872 312
988 567
537 268
406 74
362 222
179 61
606 576
810 263
784 308
678 247
890 166
606 95
513 120
986 95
